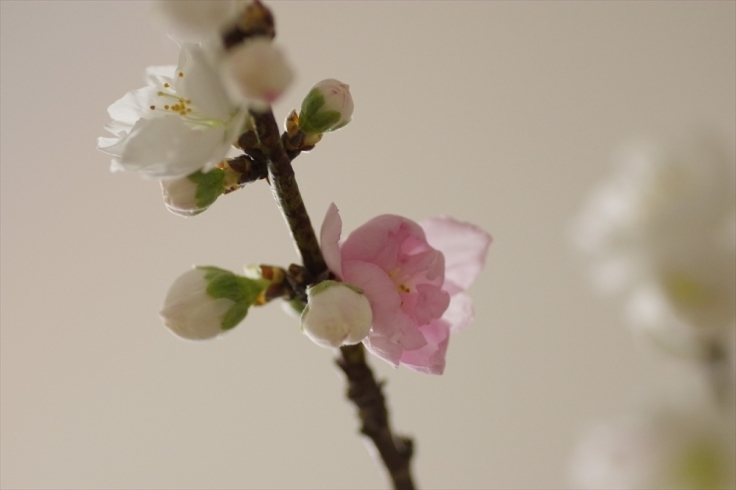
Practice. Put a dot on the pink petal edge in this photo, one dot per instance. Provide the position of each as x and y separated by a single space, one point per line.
430 359
465 247
460 313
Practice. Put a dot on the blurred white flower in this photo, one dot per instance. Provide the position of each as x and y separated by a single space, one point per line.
181 122
336 314
197 20
256 72
678 446
663 230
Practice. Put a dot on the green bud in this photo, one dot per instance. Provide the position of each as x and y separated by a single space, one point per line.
327 107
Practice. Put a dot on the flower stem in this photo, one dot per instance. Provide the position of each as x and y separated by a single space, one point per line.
363 389
365 392
286 192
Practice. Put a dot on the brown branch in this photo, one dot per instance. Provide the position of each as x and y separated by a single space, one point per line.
286 192
365 392
363 389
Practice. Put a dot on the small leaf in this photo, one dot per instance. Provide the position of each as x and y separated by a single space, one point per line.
321 122
209 186
312 103
225 286
235 315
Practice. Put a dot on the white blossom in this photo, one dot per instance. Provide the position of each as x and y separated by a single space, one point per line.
667 447
336 314
181 122
196 20
662 231
256 72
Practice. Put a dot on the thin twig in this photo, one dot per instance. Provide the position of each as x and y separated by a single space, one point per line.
363 389
365 392
286 192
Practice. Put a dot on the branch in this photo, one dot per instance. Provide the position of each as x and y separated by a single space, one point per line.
365 392
286 192
363 389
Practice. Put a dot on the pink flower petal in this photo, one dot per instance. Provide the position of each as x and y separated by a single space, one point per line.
386 350
431 303
379 240
430 359
460 313
329 238
413 277
465 247
426 266
375 242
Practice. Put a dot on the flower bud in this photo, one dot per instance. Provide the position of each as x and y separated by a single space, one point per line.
256 72
327 107
194 20
191 195
336 314
206 301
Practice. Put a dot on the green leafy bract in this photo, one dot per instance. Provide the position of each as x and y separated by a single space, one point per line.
209 186
243 291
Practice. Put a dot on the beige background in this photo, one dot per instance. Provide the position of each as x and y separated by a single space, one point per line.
499 113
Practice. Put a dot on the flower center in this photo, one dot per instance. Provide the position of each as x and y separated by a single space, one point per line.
400 281
172 103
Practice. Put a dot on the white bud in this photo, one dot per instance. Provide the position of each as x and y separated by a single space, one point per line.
179 197
195 20
256 72
336 314
190 195
191 313
327 107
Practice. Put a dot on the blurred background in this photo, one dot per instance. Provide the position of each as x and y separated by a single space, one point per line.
504 114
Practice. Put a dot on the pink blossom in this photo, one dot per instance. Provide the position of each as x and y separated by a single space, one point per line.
414 276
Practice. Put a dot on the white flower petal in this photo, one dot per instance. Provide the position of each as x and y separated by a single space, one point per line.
202 84
159 75
195 20
133 106
167 147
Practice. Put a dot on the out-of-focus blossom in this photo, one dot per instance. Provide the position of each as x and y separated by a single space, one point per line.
414 277
181 122
663 230
207 301
669 447
337 314
327 107
197 20
256 73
